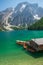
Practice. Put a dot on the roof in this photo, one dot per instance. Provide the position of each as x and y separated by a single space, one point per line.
38 41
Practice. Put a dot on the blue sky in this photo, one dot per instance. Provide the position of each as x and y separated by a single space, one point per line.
12 3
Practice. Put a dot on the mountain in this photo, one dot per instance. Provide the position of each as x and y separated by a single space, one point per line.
4 18
26 13
5 14
40 12
37 26
23 14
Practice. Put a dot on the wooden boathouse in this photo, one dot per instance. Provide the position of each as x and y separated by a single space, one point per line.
33 45
36 44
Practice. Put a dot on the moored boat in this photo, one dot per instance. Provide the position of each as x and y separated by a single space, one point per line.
25 45
20 42
34 45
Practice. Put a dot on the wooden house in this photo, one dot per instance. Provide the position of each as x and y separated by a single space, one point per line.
33 45
36 44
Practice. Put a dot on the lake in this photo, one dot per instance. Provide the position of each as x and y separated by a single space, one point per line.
13 54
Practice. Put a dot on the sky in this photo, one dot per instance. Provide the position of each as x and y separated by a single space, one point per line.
13 3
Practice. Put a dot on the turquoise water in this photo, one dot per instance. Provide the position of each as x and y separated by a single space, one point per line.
11 52
8 39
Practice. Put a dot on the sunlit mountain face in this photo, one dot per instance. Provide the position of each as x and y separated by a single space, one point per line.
26 13
23 13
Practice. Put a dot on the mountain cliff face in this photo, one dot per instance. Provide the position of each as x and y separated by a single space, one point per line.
4 15
4 18
23 14
40 12
26 13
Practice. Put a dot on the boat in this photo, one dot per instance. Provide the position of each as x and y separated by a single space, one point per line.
20 42
33 45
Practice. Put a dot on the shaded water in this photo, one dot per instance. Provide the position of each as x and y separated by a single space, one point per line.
10 51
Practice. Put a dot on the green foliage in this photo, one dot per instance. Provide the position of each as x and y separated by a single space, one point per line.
18 28
37 26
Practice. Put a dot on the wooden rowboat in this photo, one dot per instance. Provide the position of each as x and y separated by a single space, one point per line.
25 45
20 42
